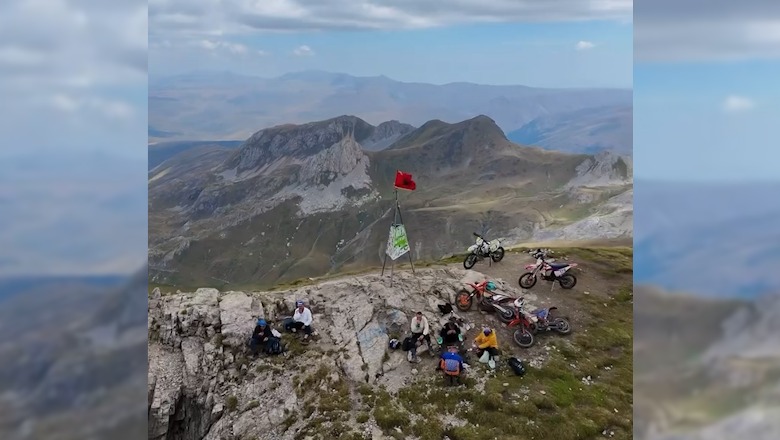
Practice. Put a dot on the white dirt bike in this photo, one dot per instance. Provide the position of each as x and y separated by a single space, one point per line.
482 249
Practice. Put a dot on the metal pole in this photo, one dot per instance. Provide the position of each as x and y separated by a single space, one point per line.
398 210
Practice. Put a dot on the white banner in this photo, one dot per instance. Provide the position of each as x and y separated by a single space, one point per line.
397 242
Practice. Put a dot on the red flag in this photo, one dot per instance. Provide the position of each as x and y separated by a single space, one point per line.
404 181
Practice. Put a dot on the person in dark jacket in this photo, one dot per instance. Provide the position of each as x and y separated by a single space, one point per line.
261 335
450 333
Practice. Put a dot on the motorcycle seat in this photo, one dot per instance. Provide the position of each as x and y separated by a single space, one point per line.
557 266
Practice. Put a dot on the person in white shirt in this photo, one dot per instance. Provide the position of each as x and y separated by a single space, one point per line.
303 319
420 332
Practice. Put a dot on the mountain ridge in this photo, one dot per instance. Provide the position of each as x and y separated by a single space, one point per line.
224 105
335 196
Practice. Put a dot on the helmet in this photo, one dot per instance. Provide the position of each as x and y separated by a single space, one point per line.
491 286
486 331
261 322
299 303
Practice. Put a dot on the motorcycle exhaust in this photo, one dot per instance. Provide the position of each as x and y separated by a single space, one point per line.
500 308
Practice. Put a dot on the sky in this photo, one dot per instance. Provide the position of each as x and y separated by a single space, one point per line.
561 43
706 90
73 76
73 124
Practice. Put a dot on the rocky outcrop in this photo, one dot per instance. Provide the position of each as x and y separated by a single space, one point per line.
603 169
202 386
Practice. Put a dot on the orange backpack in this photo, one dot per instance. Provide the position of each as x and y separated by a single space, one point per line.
451 367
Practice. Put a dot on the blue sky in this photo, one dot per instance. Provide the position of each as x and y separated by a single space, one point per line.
706 95
552 44
541 54
707 121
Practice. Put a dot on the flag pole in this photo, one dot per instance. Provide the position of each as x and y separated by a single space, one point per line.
395 217
398 210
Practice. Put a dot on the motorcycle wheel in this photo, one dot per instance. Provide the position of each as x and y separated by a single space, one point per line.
567 281
463 301
562 326
527 280
506 317
470 261
523 338
498 255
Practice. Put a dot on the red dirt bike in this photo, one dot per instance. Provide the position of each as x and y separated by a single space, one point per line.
535 321
483 291
542 319
548 271
523 336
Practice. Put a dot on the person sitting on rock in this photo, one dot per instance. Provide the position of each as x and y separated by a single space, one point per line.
302 319
420 332
261 335
451 363
450 334
487 341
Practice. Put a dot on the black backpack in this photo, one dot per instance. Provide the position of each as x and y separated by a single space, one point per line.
274 346
516 365
407 344
445 308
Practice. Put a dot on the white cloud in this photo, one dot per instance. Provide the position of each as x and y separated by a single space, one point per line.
584 45
192 20
303 51
82 57
734 104
112 108
233 48
724 30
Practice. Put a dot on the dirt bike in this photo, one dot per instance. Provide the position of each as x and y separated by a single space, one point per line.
523 336
483 291
542 319
483 249
547 271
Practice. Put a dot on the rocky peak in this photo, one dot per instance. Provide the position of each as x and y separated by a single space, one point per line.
202 382
385 134
603 169
392 128
296 141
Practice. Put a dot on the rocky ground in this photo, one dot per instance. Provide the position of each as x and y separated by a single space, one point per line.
348 384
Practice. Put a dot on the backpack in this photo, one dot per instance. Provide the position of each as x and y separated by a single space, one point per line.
274 346
445 308
516 365
288 323
408 344
451 367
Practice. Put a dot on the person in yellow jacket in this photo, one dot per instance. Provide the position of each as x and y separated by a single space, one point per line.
487 341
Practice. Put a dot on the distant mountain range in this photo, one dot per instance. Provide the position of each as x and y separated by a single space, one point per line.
304 200
588 130
710 239
71 213
206 106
